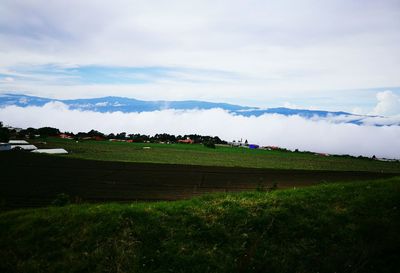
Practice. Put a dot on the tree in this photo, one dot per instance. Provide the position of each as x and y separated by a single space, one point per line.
121 136
4 133
111 136
209 144
94 133
48 131
29 132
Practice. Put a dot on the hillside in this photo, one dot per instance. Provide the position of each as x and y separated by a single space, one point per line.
350 227
222 156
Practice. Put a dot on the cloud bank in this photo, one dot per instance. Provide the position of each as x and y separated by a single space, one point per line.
292 132
388 104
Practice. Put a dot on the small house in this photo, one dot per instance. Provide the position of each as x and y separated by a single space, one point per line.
65 136
187 141
98 138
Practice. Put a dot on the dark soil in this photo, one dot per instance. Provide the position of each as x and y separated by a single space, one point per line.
34 180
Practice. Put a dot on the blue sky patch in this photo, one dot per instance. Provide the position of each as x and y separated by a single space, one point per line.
114 75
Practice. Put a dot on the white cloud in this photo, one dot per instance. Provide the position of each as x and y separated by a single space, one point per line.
388 104
23 100
102 103
291 132
7 80
273 46
359 111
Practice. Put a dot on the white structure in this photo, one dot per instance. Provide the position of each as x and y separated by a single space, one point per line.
5 147
21 145
14 128
237 144
18 142
50 151
28 147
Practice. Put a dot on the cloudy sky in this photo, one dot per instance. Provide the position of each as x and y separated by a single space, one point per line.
329 55
334 55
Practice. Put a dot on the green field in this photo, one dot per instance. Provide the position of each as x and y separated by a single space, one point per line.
351 227
197 154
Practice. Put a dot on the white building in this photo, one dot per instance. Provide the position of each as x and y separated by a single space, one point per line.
28 147
21 145
18 142
50 151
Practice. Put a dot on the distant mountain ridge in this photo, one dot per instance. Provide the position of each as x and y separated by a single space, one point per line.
129 105
113 104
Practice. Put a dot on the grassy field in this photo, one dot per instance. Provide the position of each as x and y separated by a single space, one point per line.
351 227
197 154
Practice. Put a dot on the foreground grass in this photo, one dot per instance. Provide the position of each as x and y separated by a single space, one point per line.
197 154
352 227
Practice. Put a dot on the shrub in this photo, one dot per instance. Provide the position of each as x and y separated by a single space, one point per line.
61 199
209 144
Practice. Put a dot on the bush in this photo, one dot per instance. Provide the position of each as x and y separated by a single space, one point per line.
209 144
4 133
62 199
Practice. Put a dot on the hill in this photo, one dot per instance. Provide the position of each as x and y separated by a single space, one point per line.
225 156
350 227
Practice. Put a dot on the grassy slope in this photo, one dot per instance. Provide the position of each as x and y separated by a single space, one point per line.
222 156
350 227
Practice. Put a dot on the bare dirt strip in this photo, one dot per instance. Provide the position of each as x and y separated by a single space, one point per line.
33 180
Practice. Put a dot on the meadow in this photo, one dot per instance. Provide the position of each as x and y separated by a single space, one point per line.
351 227
197 154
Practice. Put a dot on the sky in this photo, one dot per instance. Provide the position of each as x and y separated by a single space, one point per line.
333 55
336 55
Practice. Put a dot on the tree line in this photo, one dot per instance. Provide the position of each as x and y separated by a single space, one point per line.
31 133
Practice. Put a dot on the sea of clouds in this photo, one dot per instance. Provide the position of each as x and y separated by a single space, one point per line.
292 132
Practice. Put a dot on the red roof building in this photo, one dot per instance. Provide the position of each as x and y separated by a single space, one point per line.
65 136
188 141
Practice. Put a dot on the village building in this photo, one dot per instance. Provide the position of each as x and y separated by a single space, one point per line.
50 151
238 143
28 147
187 141
16 129
21 145
18 142
65 136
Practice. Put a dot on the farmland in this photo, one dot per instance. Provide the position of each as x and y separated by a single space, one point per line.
30 180
228 210
197 154
351 227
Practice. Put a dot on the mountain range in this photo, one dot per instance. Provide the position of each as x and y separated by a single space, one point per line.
128 105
